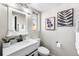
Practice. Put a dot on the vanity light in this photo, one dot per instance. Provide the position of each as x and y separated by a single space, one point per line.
11 4
27 10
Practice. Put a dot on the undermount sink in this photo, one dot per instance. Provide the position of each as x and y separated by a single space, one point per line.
24 42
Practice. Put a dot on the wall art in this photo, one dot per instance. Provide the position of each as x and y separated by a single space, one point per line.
65 18
50 23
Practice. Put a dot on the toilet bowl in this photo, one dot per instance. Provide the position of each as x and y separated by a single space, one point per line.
43 51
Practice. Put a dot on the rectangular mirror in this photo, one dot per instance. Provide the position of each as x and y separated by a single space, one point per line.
17 22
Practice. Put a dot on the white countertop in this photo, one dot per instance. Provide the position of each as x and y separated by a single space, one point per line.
17 46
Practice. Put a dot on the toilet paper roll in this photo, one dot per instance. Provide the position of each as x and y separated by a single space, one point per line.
58 45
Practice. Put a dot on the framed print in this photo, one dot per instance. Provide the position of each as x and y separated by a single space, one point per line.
50 23
65 18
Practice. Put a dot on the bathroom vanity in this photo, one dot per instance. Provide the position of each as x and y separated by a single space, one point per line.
14 24
25 48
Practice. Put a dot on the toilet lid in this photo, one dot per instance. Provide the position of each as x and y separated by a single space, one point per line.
43 50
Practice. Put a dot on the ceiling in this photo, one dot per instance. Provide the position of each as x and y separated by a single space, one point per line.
42 7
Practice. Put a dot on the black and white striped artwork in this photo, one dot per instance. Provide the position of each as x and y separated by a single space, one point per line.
65 18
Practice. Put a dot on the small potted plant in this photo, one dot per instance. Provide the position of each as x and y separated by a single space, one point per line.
6 42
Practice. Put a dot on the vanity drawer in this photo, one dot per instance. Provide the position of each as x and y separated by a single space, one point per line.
33 53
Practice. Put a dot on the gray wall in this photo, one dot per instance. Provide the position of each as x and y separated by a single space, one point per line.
3 21
65 35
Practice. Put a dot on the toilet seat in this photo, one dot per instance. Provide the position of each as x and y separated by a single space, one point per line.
43 51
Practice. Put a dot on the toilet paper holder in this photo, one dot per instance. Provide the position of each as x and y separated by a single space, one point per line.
57 42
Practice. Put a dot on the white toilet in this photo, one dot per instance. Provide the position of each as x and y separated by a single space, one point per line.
43 51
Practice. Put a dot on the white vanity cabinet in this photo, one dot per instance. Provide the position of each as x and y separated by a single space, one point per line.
27 51
25 48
